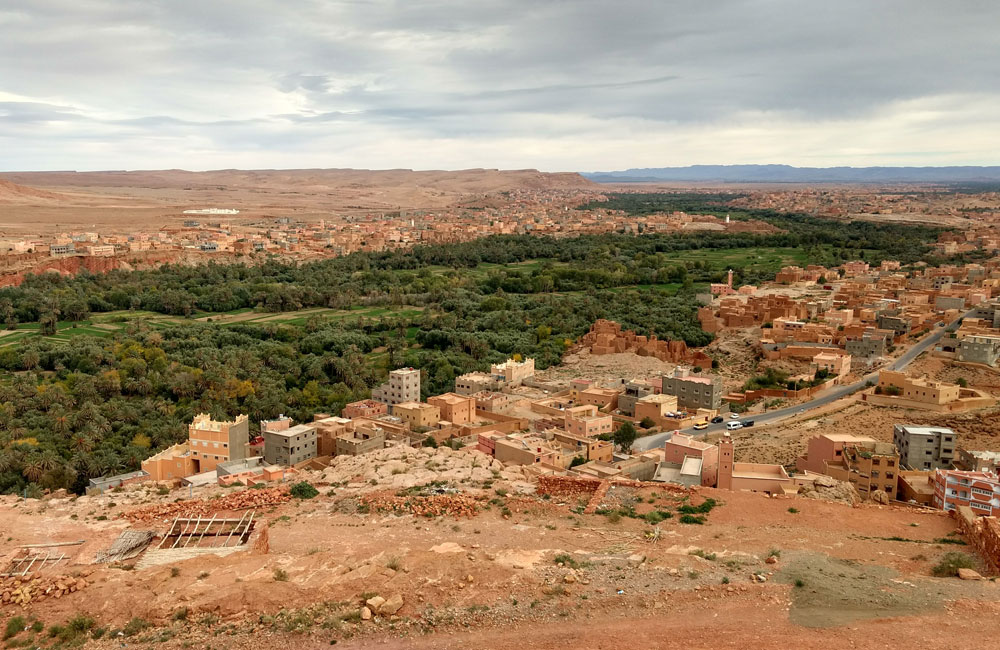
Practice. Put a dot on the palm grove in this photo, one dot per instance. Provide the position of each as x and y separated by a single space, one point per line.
97 406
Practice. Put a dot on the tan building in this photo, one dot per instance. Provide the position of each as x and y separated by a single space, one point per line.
657 408
212 442
513 373
586 448
584 421
417 415
362 440
455 408
403 386
897 384
209 443
328 429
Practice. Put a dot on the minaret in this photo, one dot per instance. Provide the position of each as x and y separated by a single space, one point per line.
726 462
730 278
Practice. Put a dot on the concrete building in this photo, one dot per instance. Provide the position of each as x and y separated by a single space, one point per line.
634 391
492 401
978 461
474 382
693 391
979 491
362 440
587 448
656 407
979 349
417 415
925 448
585 422
403 386
682 447
209 443
923 391
290 446
328 429
866 348
366 408
512 373
455 408
212 442
756 477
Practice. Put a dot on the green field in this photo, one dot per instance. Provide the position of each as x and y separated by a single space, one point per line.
109 323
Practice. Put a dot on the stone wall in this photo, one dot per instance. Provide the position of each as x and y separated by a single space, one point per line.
983 534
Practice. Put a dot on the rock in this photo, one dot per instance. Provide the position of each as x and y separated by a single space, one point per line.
366 614
771 560
969 574
375 602
570 578
391 606
636 559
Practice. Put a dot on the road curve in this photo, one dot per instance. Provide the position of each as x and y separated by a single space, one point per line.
821 399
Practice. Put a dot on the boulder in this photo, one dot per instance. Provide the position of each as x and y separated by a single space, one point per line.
375 603
366 614
969 574
391 606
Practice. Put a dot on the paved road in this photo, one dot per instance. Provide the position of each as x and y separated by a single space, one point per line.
821 399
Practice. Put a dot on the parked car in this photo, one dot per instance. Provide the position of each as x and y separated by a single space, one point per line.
701 426
735 424
747 423
734 416
717 419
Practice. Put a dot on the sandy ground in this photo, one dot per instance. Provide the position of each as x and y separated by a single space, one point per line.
493 579
47 202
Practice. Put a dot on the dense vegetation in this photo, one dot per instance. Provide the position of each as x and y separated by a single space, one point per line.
98 406
828 242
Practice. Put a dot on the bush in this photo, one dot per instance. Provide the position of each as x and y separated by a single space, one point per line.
647 423
135 626
14 627
692 519
303 490
702 509
950 564
280 575
656 516
577 460
794 511
429 441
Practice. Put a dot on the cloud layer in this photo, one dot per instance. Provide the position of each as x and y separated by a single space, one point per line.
552 84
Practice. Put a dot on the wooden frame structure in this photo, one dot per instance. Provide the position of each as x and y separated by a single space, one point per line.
208 533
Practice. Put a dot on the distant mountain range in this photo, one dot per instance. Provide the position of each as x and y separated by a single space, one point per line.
789 174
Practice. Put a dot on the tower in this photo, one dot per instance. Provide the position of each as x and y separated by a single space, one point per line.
726 462
729 281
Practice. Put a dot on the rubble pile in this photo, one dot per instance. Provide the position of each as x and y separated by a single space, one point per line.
24 590
437 505
403 467
830 489
243 500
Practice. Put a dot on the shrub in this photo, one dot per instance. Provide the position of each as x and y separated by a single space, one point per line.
794 511
799 583
950 564
394 563
647 423
135 626
656 516
704 508
577 460
14 627
692 519
280 575
429 441
774 553
303 490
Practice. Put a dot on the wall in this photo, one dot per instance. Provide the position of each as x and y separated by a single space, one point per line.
983 533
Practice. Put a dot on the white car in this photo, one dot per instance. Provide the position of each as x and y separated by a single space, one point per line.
734 416
734 425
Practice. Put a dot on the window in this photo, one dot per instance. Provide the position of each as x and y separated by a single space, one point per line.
876 461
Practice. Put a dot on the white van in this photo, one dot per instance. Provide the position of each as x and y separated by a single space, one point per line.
734 425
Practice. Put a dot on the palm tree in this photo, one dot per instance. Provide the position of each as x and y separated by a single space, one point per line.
33 469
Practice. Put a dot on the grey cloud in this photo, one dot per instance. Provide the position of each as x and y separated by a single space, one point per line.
275 75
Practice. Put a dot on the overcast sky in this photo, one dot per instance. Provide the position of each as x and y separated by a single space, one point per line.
550 84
